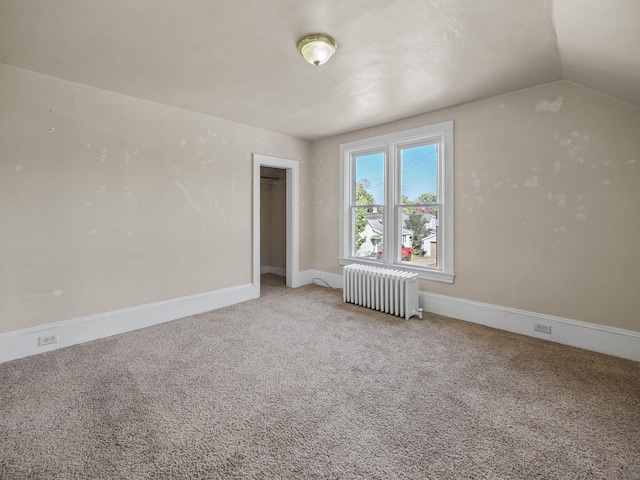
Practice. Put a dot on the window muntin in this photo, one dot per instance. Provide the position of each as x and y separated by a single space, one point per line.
403 184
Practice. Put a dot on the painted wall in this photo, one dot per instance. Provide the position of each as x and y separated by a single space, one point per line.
546 202
108 201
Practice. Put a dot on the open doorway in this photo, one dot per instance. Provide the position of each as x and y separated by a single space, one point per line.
285 176
273 221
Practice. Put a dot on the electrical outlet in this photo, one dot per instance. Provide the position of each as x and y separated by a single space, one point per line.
538 327
47 339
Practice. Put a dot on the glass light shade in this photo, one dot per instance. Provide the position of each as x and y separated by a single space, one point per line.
317 48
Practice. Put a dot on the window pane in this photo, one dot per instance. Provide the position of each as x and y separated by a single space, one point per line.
419 174
369 175
409 174
368 232
419 237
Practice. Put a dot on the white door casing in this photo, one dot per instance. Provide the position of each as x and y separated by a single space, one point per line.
292 234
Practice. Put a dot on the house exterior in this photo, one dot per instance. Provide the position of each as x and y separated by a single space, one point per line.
429 244
373 235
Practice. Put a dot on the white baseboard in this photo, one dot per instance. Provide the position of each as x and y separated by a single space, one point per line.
282 272
23 343
589 336
333 280
597 338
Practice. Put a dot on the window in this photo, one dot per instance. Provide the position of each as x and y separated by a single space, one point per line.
397 201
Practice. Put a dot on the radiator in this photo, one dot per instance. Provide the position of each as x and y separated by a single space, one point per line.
383 289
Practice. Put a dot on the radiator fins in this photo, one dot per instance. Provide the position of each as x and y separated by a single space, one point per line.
382 289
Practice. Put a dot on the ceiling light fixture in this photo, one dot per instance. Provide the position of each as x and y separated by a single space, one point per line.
317 48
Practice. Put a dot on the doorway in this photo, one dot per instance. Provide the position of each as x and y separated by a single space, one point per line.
285 173
273 221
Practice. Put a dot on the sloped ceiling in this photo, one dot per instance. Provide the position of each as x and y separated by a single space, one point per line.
396 58
599 45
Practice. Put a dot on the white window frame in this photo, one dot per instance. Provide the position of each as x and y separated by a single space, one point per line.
391 144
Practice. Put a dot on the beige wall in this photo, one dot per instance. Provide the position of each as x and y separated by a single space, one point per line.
547 202
107 201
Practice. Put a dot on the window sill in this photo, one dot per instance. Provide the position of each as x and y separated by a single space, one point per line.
433 275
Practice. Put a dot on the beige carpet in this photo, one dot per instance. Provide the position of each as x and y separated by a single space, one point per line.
299 385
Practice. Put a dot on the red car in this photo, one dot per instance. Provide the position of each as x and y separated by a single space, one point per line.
406 253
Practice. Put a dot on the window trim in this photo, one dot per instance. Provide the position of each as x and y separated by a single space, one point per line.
390 144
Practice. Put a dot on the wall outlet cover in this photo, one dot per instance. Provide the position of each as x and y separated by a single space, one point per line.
538 327
47 339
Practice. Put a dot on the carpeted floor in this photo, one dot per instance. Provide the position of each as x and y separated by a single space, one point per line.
297 384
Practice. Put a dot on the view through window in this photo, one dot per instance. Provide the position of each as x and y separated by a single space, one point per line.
398 200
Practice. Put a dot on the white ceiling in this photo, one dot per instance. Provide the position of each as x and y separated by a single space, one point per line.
396 58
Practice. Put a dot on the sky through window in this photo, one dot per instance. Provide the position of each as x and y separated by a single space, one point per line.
419 172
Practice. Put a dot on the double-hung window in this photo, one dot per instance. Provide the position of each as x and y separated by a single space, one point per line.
397 201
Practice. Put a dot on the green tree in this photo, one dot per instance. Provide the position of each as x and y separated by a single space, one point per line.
426 197
429 197
363 197
417 223
406 201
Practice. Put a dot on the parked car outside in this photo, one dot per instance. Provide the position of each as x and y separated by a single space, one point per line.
407 252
